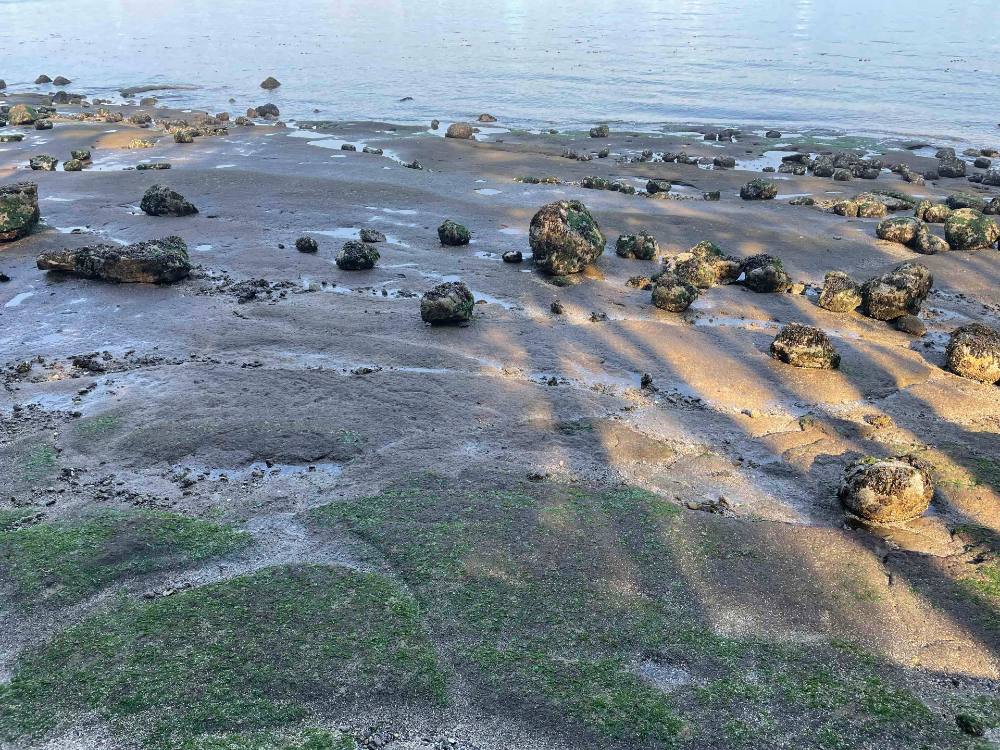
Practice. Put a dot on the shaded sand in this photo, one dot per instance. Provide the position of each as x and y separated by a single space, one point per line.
471 466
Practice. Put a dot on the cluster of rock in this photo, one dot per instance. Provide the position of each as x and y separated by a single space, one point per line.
967 229
887 297
154 262
842 167
600 183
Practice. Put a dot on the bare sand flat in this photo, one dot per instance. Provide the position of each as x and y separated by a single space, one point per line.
268 504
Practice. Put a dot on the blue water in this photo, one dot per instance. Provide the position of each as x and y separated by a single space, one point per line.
912 68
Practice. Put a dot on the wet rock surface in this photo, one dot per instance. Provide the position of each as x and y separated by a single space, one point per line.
357 256
160 200
18 210
450 303
154 262
897 293
805 346
565 238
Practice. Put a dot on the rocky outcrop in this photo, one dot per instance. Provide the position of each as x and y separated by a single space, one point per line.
453 234
887 490
899 292
974 353
759 189
18 210
450 303
460 130
642 246
805 346
968 229
357 256
764 274
565 238
159 200
154 262
841 294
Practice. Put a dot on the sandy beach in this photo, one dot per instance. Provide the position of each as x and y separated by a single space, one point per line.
511 476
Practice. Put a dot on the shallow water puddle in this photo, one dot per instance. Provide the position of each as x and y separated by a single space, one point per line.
17 299
352 233
488 191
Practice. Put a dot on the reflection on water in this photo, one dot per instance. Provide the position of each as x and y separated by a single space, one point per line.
902 66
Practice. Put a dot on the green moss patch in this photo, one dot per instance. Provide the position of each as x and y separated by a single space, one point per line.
564 604
243 656
64 561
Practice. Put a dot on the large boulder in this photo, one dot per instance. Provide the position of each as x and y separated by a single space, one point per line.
759 189
928 243
162 201
450 303
897 293
673 294
43 163
764 274
805 346
154 262
901 229
841 294
565 238
18 210
887 490
968 229
974 352
461 130
270 83
454 234
357 256
951 167
642 246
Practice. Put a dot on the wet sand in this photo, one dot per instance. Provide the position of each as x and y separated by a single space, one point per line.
333 376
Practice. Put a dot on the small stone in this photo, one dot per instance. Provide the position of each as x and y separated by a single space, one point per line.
910 324
357 256
307 245
453 234
600 131
43 124
772 134
557 307
450 303
673 294
80 154
887 490
73 165
43 163
805 346
658 186
42 79
712 195
512 256
486 118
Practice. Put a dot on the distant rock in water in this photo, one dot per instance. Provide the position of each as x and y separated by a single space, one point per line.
3 84
462 130
454 234
897 293
154 262
486 118
357 256
42 79
435 124
265 111
61 81
306 245
974 353
162 201
759 189
805 346
450 303
18 210
270 83
887 490
600 131
565 238
772 134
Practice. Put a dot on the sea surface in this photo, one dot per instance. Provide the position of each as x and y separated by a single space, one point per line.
915 69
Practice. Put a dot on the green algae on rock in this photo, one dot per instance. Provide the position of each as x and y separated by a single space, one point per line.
805 346
759 189
453 234
672 293
565 238
18 210
356 256
641 246
970 230
160 200
450 303
153 262
897 293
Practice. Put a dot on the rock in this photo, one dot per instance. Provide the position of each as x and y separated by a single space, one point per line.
966 200
944 153
3 84
927 243
18 210
371 235
604 153
147 101
724 162
642 246
600 131
712 195
43 163
512 256
373 151
764 274
435 124
847 208
159 200
982 163
450 303
453 234
80 154
462 130
43 124
565 238
658 186
974 353
357 256
901 229
935 213
870 207
759 189
952 167
154 262
137 143
704 266
967 229
153 165
42 79
73 165
909 175
22 114
140 118
270 83
11 138
673 294
267 111
306 245
802 200
486 118
772 134
183 136
557 307
899 292
243 122
910 324
887 490
992 177
841 294
805 346
993 207
842 175
61 81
